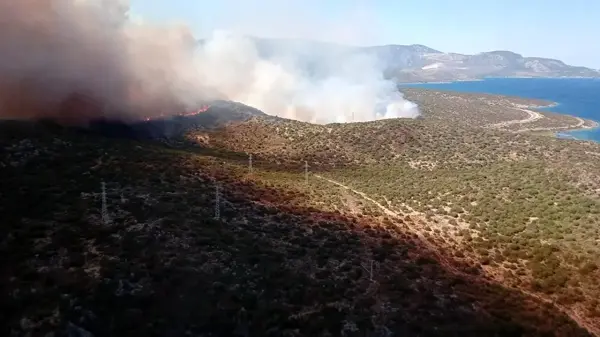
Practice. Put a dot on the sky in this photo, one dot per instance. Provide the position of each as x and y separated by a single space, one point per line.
564 30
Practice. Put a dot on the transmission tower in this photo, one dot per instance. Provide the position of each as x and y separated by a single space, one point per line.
250 163
217 201
306 171
105 217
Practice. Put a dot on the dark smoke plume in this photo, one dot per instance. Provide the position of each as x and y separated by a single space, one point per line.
74 60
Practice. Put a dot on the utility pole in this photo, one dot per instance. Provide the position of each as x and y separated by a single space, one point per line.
105 217
306 171
217 200
250 163
353 117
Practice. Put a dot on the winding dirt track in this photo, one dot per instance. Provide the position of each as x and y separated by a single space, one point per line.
532 116
574 314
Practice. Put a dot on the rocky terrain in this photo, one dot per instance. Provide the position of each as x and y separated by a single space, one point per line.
418 63
465 222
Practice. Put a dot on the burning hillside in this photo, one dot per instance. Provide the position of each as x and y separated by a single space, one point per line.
176 125
202 109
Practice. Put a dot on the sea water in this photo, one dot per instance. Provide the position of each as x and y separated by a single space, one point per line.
575 96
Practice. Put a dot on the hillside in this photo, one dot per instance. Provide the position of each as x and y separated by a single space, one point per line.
479 180
463 223
418 63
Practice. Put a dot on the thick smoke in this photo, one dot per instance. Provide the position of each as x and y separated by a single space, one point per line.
75 60
350 87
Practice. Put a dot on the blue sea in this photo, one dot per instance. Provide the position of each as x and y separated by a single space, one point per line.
575 96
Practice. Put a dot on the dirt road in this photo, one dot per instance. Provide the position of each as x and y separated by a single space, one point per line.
574 314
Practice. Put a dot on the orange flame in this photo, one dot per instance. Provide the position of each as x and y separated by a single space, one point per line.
204 108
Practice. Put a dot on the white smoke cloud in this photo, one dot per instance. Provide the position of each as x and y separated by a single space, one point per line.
77 59
351 90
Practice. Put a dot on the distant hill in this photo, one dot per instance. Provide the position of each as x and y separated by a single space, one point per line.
449 66
416 63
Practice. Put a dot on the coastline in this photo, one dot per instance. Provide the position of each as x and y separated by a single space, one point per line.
549 105
400 84
577 131
566 132
569 132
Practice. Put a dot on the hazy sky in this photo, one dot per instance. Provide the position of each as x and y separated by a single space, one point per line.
566 30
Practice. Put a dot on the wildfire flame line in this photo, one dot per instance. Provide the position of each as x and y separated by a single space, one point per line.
183 114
